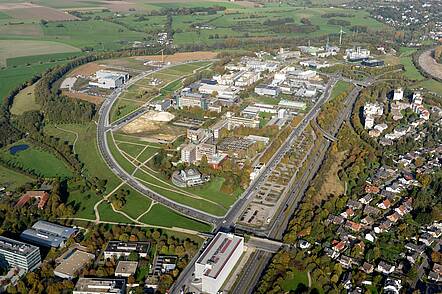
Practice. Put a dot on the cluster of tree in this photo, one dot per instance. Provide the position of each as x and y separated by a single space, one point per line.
438 54
336 14
295 28
192 10
308 221
427 202
118 199
277 142
8 132
338 22
161 243
331 110
278 21
16 219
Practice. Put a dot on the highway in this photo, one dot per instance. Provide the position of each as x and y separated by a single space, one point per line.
236 209
254 266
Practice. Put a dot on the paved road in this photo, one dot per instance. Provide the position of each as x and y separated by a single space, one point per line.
104 127
235 211
254 267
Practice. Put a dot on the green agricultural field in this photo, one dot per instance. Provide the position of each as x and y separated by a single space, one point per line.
38 161
92 33
25 101
18 48
40 59
162 216
11 77
12 179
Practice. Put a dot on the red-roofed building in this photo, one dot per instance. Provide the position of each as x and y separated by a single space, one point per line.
384 204
41 196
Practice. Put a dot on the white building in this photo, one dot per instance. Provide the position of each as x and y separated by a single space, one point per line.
18 254
267 90
218 260
357 54
188 153
107 79
100 286
398 94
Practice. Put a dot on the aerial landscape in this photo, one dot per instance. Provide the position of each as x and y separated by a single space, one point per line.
220 146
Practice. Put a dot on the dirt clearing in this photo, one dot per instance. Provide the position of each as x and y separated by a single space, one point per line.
87 69
77 95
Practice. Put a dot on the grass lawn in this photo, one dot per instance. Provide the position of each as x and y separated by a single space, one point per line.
133 139
39 161
136 203
431 85
339 88
108 215
180 198
211 191
122 161
83 202
131 149
292 283
162 216
122 108
148 153
11 179
411 72
87 150
25 101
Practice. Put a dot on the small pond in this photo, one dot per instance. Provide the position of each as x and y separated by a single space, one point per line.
17 148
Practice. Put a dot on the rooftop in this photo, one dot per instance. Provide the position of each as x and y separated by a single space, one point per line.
16 247
126 267
117 246
74 262
219 252
100 285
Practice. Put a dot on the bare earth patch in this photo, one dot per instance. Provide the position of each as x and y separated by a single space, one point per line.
33 11
93 99
182 56
87 69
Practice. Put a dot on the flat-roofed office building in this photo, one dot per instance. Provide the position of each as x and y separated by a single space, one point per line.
217 261
48 234
118 249
14 253
100 286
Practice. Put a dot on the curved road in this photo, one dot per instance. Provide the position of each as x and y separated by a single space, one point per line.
103 127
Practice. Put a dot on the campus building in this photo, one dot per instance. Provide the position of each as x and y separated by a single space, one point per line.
100 286
117 249
107 79
188 178
72 263
18 254
189 99
48 234
218 260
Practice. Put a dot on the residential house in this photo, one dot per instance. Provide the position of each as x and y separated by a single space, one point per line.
367 268
385 268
